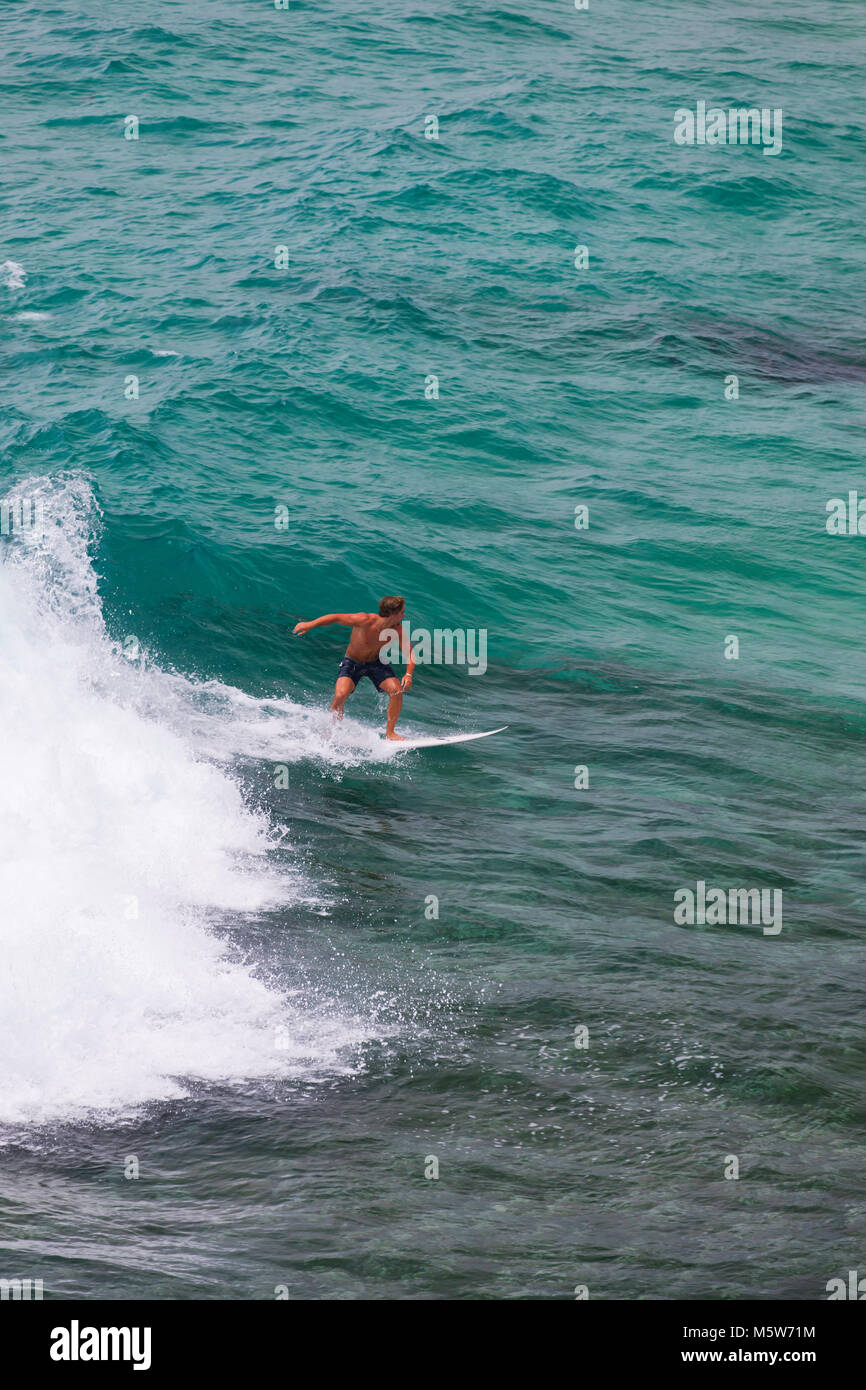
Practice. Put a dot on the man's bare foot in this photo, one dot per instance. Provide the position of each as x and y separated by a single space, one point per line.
395 738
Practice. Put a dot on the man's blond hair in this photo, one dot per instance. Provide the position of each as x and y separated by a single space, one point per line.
390 605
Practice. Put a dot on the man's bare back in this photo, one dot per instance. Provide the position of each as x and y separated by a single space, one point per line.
363 656
365 639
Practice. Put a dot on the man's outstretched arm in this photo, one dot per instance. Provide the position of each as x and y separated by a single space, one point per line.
347 619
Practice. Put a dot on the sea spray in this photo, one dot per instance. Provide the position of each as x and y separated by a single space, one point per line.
121 848
13 275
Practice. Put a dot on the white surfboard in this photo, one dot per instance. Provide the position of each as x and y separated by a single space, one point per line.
441 742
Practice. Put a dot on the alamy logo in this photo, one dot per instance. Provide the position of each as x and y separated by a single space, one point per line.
739 125
716 907
19 514
856 1288
846 518
444 646
21 1289
76 1343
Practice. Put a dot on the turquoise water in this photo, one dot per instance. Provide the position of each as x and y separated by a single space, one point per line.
220 956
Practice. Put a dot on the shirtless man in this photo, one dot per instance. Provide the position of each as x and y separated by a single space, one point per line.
362 656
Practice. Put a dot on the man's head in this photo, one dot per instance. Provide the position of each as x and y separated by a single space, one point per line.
391 607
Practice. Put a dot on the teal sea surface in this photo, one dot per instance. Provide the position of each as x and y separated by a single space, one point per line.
294 314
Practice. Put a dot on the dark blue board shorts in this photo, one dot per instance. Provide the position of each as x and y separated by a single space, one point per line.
378 671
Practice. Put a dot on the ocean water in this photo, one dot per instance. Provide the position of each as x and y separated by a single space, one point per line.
221 964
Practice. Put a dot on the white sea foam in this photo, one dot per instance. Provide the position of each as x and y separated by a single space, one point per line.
229 723
13 275
31 316
122 848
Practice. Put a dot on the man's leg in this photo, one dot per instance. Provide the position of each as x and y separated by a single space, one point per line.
342 691
391 688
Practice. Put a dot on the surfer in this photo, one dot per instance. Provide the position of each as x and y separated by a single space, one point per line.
369 631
